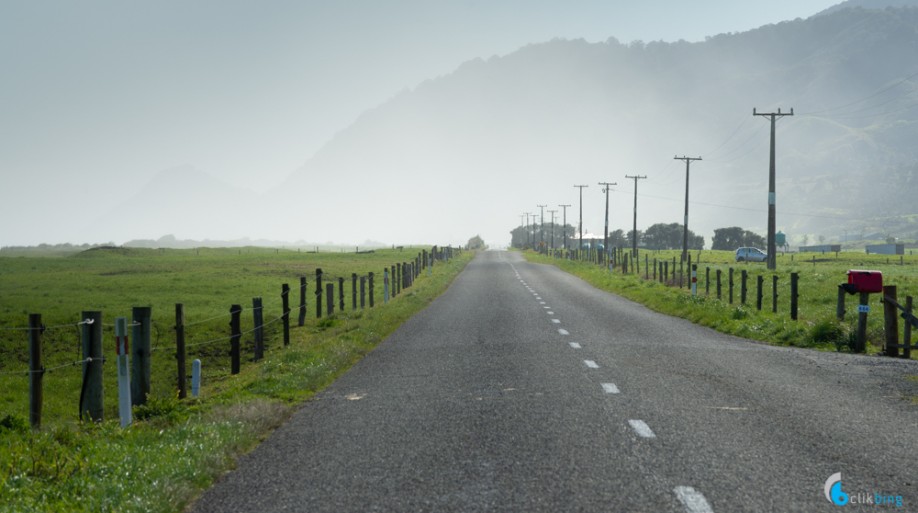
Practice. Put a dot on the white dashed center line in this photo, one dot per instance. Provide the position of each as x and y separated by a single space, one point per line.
575 345
642 429
556 321
563 331
550 313
591 364
692 500
609 388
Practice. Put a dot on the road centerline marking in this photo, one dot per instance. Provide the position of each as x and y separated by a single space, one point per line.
641 428
610 388
692 500
563 331
591 364
574 345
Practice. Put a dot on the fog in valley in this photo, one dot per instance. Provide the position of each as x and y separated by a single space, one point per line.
312 124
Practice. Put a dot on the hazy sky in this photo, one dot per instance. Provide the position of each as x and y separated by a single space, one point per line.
97 97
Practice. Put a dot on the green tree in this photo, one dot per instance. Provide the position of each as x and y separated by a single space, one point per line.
669 236
734 237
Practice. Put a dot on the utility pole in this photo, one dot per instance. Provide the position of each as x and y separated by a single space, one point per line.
521 226
688 161
541 226
634 251
580 224
552 212
564 227
771 259
605 236
528 232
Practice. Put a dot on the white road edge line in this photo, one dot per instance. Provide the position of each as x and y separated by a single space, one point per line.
574 345
609 388
642 429
563 331
591 364
556 321
692 500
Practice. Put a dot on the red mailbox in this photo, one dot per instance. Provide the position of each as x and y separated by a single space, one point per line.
866 281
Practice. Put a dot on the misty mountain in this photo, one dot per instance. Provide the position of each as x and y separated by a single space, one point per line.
499 136
186 200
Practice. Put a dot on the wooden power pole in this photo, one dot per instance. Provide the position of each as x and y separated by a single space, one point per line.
634 251
771 260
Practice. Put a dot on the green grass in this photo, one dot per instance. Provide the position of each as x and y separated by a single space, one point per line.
819 274
175 448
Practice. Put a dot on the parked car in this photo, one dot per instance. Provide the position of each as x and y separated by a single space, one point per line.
750 255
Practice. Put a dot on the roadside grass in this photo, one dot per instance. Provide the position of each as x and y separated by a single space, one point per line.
820 275
175 449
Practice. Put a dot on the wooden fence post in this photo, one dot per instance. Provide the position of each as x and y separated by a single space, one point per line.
794 279
707 281
758 292
180 350
665 272
302 316
141 354
860 345
719 295
258 318
370 279
646 267
363 291
654 269
341 294
891 320
285 298
774 293
744 278
235 335
385 278
840 304
318 293
330 297
730 284
907 336
36 371
353 291
91 394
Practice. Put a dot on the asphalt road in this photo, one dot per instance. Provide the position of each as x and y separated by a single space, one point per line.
523 388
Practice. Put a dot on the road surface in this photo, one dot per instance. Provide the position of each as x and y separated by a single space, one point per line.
523 388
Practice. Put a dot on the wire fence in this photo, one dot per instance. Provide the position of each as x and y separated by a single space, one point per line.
150 338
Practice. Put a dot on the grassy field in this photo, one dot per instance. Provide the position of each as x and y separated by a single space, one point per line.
174 448
820 275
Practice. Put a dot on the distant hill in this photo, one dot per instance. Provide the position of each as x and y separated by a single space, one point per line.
498 136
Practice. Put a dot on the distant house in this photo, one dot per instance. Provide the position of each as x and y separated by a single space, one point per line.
822 248
886 249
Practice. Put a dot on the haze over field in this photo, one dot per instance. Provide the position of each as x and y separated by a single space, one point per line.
406 122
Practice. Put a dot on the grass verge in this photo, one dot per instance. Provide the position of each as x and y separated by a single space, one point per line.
176 449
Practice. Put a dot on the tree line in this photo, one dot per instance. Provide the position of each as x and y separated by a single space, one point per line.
655 237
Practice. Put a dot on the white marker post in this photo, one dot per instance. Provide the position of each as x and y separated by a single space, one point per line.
195 377
694 280
124 372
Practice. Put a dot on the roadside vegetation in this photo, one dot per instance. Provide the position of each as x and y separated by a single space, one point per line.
820 275
175 448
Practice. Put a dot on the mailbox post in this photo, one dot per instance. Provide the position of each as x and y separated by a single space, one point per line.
864 283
